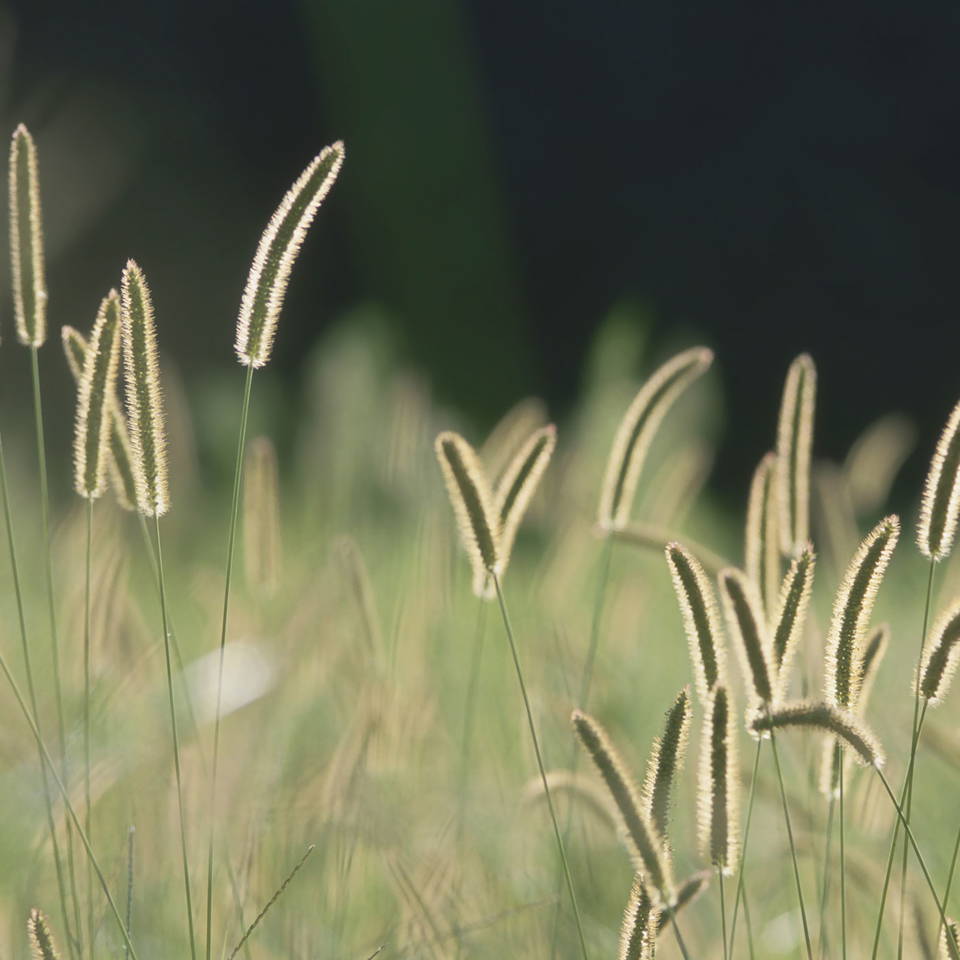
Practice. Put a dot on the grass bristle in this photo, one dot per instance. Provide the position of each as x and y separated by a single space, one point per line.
794 446
641 921
940 505
940 656
745 623
718 787
762 540
790 617
666 761
41 940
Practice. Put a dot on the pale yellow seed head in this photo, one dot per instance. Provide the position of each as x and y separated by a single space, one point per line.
940 506
794 446
26 241
718 787
762 540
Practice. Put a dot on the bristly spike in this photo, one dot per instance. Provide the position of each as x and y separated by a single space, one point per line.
940 506
826 718
745 623
472 503
718 786
762 541
687 892
148 442
26 241
643 841
641 921
666 760
701 622
852 609
41 941
949 933
637 429
790 616
278 248
794 446
98 387
940 656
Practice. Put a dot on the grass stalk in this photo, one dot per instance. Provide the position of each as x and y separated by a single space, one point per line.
950 872
176 742
543 773
825 888
843 864
88 805
743 854
228 577
723 915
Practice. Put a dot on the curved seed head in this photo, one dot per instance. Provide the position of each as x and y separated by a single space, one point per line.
940 505
41 941
745 623
949 944
262 545
790 616
641 923
762 546
718 787
95 398
940 656
511 430
472 503
278 248
666 760
852 609
148 441
698 607
637 429
794 445
26 241
687 892
874 649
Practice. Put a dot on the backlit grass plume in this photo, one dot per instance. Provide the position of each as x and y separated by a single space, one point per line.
940 656
643 841
275 256
637 429
940 505
148 442
97 390
745 623
26 241
718 786
472 503
666 761
118 459
762 546
826 718
698 607
852 609
641 921
791 615
794 445
949 941
688 891
262 549
42 946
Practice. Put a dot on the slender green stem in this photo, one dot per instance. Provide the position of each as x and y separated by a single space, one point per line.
31 691
746 917
825 888
88 806
131 833
843 864
793 849
228 577
953 866
954 952
176 743
469 709
543 772
746 840
723 915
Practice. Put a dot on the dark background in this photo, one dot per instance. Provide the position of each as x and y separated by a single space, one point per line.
765 178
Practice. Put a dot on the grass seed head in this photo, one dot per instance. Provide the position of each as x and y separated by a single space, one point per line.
641 923
666 761
762 546
940 505
26 241
41 941
718 787
745 623
790 616
794 446
940 656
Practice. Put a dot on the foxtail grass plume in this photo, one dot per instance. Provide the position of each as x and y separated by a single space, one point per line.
472 503
643 841
509 434
42 946
826 718
666 760
790 616
118 459
940 506
949 934
745 623
641 921
262 550
718 787
637 429
940 656
688 891
148 442
852 609
26 241
98 387
278 248
698 607
794 445
762 547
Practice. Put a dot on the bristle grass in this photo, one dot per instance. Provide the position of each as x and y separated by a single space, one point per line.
939 662
666 760
718 784
26 241
790 616
948 942
794 445
762 539
42 945
641 920
745 623
940 505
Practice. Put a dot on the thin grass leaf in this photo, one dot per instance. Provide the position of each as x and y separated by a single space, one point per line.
794 446
762 540
718 784
41 941
641 920
665 762
940 656
745 623
940 506
637 429
26 241
276 253
791 616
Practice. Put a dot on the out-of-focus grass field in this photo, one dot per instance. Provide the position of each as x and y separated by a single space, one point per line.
347 684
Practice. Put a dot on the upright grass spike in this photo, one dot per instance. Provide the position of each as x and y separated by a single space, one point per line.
509 434
718 786
745 622
949 938
148 442
26 241
827 718
276 254
790 616
641 921
97 389
262 549
643 841
41 940
762 541
940 656
794 445
666 760
852 609
940 506
698 606
637 429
